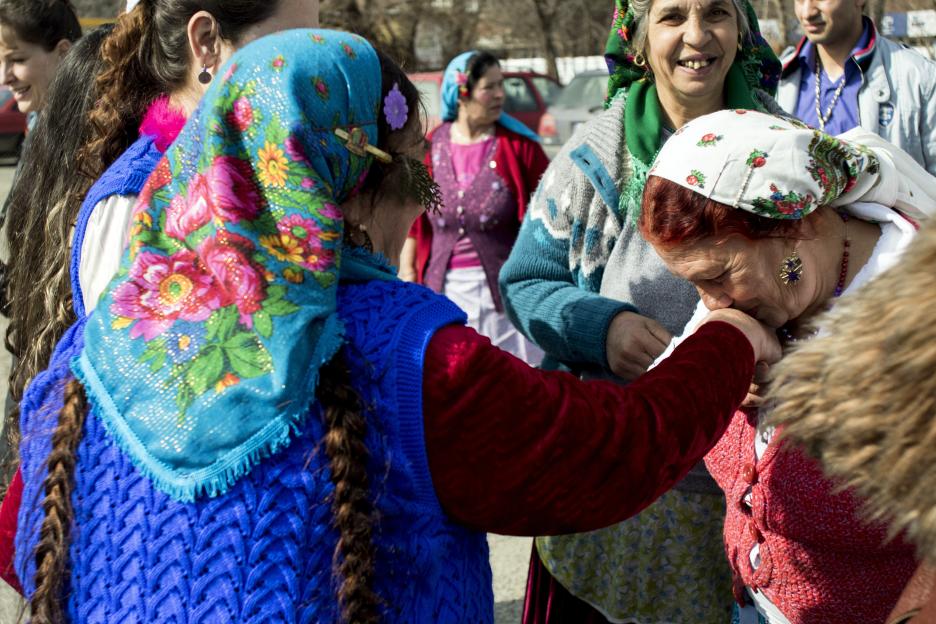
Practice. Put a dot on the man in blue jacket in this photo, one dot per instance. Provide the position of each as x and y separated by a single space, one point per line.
843 74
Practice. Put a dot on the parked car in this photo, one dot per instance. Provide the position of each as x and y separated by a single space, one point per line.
12 124
528 95
577 103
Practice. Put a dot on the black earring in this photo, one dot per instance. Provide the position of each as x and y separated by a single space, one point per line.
205 76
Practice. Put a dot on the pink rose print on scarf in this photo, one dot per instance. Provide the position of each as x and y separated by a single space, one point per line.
239 280
187 213
225 192
163 289
234 195
242 116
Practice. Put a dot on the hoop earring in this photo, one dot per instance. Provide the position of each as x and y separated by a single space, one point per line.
791 269
740 47
205 76
640 61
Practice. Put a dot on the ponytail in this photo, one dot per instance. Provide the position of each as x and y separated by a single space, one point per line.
54 536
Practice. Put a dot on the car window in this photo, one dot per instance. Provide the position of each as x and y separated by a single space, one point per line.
519 97
548 89
586 91
429 93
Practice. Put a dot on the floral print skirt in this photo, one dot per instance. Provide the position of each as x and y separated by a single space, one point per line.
664 566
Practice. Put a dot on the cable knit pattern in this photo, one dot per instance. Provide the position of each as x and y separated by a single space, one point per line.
263 551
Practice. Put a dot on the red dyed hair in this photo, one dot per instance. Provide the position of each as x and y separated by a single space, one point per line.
674 215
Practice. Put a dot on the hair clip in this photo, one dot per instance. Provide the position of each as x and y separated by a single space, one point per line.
396 110
356 142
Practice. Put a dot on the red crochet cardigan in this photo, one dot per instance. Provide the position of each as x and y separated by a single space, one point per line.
820 563
520 161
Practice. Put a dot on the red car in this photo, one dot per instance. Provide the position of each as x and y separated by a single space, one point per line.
528 95
12 124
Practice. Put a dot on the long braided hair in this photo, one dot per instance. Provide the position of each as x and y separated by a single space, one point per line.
344 442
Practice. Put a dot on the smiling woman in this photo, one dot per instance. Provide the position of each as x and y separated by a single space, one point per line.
34 36
584 285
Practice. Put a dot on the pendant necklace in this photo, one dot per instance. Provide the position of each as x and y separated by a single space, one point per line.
835 96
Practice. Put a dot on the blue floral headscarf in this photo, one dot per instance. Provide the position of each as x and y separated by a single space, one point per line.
454 78
204 353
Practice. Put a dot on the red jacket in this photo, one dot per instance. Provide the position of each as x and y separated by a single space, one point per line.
519 160
820 562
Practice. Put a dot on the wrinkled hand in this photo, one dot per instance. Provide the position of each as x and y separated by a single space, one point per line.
633 343
763 339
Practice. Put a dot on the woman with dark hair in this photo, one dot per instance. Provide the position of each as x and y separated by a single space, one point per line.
487 164
261 423
775 219
43 203
34 37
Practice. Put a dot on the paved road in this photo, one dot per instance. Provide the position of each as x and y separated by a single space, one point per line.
509 555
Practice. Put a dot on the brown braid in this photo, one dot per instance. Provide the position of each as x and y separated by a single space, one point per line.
54 536
352 509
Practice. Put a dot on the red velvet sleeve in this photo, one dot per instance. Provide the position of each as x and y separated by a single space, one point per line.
8 521
520 451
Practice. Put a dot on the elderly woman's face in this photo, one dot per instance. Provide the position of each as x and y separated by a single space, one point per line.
743 274
691 44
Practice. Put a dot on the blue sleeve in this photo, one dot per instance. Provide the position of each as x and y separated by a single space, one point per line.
554 307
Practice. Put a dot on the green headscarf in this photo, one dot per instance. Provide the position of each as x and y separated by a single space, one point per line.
756 66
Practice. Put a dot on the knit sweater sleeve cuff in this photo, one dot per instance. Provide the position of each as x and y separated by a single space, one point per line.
588 324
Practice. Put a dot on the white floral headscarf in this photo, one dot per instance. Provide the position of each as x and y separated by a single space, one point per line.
770 166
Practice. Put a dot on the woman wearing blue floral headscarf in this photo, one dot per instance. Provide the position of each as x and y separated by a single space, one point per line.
262 423
487 165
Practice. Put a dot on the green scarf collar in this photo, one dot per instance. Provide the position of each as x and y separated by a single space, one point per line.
643 117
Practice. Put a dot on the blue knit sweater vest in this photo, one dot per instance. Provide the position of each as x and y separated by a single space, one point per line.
262 552
126 176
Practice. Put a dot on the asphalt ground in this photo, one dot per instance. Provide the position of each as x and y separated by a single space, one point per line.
510 556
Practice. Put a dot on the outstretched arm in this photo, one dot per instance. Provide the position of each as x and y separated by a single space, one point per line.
515 450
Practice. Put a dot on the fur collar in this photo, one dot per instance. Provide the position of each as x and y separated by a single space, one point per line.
163 122
862 399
